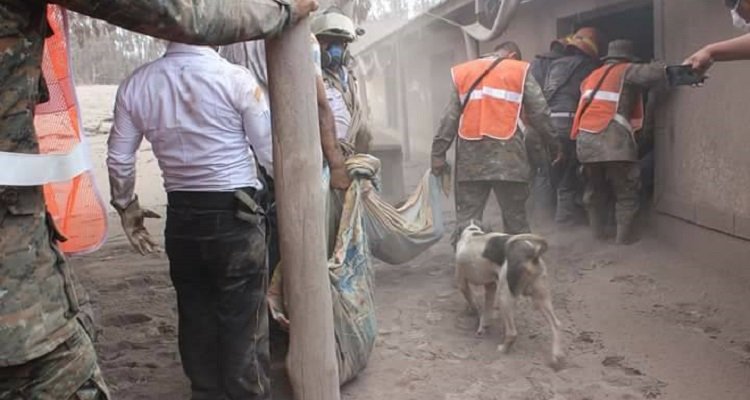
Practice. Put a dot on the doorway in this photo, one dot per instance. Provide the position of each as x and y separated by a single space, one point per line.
634 21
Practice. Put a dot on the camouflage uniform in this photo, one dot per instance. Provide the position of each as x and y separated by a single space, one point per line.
359 134
45 352
501 166
610 158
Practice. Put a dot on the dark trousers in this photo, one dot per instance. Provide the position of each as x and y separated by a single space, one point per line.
568 184
218 267
623 180
471 200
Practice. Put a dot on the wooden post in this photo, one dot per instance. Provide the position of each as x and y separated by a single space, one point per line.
300 200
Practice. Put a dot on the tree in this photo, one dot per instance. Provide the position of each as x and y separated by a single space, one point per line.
105 54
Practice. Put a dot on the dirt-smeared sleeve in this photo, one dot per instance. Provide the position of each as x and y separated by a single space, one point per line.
202 22
652 75
448 127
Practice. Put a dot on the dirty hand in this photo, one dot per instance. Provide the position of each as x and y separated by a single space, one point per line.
701 61
132 218
340 178
438 166
559 158
303 8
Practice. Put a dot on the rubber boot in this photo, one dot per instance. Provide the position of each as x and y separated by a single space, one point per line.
596 223
625 233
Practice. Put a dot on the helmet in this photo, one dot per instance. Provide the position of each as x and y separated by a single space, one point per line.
333 22
586 40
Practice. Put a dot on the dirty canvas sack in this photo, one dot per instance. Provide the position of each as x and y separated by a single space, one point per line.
350 273
399 234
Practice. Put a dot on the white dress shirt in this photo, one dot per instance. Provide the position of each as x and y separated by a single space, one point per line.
252 55
341 115
199 112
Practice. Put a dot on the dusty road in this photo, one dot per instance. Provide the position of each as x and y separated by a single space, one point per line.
640 322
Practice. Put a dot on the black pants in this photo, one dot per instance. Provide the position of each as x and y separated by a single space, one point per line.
218 267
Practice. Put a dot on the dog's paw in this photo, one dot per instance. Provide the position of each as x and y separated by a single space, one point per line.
557 362
481 331
503 349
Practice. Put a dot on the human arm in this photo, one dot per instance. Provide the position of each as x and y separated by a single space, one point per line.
537 115
122 146
728 50
648 76
329 143
256 120
446 134
197 22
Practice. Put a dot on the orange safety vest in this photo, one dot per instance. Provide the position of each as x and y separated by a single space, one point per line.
75 205
494 106
603 108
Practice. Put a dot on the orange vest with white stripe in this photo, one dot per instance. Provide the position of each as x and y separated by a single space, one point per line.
494 106
603 108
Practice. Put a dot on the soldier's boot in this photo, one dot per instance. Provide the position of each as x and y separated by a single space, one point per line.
565 212
625 234
596 223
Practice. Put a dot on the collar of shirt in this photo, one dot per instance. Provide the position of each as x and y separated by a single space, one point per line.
174 49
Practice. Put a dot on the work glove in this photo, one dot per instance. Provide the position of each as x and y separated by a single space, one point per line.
132 218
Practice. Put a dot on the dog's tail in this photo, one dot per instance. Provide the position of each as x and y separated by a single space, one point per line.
524 254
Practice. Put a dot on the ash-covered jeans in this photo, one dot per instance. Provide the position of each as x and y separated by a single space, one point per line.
219 270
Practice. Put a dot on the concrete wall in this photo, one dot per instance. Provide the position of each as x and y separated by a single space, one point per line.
703 161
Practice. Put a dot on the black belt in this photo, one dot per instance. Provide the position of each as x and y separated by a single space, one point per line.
207 200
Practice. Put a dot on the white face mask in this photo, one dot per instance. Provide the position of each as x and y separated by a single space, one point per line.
740 22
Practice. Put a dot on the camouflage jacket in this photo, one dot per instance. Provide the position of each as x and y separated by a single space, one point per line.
38 299
616 142
488 158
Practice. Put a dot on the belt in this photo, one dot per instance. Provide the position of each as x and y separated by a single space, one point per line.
207 200
562 115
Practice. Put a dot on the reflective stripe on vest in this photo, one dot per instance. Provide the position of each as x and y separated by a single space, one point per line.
494 106
603 108
40 169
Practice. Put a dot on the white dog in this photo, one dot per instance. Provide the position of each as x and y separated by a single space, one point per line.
514 262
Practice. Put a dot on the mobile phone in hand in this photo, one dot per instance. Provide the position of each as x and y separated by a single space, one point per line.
684 75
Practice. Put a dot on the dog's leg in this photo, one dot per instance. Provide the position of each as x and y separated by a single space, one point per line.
490 291
507 304
543 301
463 285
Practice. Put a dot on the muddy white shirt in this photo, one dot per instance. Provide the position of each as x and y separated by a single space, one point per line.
199 112
341 114
252 55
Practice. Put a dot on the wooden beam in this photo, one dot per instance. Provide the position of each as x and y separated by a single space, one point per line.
300 200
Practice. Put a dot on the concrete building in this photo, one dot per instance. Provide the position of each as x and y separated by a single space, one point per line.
702 198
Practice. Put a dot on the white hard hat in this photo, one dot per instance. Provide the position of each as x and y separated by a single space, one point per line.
334 23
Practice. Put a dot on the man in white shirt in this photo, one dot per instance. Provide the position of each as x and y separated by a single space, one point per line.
199 112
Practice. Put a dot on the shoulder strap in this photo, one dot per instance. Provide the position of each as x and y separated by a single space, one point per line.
476 82
596 88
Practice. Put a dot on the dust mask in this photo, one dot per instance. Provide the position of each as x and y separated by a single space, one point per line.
739 22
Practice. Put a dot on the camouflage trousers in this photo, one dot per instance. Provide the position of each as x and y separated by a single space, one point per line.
620 180
471 200
69 372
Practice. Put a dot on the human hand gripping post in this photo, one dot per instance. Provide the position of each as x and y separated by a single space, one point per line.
303 8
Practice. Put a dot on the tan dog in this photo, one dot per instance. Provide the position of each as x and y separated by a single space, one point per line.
514 263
